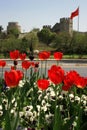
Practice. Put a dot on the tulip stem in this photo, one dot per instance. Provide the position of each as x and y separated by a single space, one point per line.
2 73
41 68
45 66
57 62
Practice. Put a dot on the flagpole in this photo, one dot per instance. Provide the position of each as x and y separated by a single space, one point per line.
78 23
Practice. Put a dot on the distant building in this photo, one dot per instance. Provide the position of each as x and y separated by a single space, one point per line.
12 25
65 25
47 26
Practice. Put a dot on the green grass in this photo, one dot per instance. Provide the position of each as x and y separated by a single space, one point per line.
74 56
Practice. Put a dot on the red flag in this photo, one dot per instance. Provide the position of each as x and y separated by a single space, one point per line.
75 13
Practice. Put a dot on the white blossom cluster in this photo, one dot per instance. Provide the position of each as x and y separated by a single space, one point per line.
44 105
28 115
82 100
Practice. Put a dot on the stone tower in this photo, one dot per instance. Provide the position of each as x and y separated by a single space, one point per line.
12 25
65 25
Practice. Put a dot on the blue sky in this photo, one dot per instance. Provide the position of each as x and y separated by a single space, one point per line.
36 13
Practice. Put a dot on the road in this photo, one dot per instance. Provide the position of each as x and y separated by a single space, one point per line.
67 65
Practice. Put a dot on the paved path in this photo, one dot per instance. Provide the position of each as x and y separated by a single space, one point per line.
80 65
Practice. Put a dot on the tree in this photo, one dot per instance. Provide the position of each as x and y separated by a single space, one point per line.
62 41
13 31
45 36
1 28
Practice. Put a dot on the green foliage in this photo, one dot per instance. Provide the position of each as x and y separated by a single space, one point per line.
32 39
57 120
13 31
46 36
43 39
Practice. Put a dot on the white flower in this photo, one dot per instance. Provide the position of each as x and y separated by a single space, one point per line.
74 124
5 102
52 93
13 100
39 97
39 91
31 119
85 109
71 96
12 111
49 89
47 104
1 113
77 99
38 107
15 105
83 97
29 113
43 102
44 108
21 114
0 107
60 97
36 51
57 92
34 114
84 103
46 97
28 108
51 115
66 119
61 107
56 106
47 116
76 117
21 83
72 99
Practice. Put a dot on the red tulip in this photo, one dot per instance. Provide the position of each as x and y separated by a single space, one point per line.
35 64
56 74
80 82
12 78
22 56
66 87
2 63
43 84
69 80
26 64
14 54
86 80
44 55
58 55
20 74
12 67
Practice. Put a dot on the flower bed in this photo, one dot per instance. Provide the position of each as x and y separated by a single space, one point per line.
32 100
